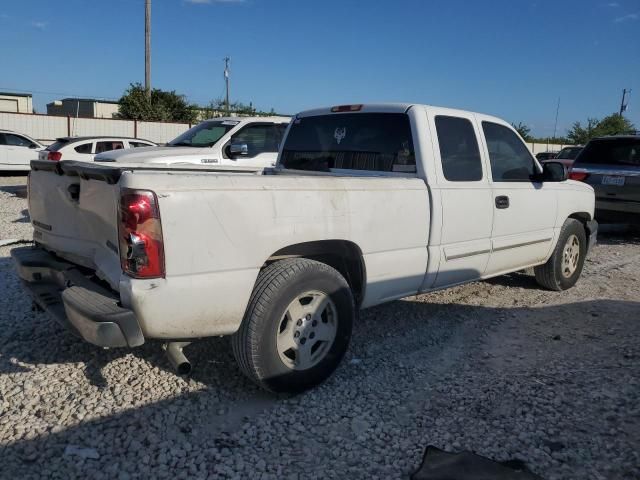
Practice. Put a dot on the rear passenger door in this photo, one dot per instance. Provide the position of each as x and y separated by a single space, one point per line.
465 196
524 211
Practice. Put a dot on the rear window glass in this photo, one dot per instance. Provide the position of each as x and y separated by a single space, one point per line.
355 141
138 144
57 145
569 153
619 151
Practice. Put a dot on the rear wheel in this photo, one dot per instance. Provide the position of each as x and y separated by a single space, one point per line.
563 269
297 326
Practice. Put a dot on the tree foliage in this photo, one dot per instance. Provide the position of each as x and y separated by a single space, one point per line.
163 106
217 107
524 131
612 125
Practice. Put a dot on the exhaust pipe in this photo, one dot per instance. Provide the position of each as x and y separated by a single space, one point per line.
176 357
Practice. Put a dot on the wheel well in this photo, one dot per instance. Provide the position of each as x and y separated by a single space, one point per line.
344 256
584 218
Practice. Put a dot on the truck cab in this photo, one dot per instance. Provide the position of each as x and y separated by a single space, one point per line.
236 141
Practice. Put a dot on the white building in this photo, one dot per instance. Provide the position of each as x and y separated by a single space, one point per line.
16 102
83 107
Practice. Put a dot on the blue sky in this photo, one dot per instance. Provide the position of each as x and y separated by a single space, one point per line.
508 58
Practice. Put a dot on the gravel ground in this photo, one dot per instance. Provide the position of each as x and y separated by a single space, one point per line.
500 368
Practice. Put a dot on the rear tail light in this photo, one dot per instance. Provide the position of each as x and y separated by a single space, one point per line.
347 108
55 156
140 234
576 174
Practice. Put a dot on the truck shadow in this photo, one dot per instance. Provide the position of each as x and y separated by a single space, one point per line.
199 423
19 191
613 234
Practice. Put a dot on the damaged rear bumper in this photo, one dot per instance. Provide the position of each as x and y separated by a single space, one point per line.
75 300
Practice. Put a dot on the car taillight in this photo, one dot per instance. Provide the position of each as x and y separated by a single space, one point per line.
579 175
55 156
140 234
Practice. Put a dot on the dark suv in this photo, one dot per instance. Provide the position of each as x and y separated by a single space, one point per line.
611 165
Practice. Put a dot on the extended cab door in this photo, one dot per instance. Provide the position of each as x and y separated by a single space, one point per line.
465 197
261 141
524 212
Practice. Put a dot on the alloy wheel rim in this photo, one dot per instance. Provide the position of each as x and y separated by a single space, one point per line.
307 330
570 256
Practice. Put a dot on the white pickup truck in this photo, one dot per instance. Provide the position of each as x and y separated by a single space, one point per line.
236 141
368 203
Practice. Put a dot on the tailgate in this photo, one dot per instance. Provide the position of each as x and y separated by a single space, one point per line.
74 211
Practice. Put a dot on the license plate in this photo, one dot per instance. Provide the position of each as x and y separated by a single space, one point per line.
609 180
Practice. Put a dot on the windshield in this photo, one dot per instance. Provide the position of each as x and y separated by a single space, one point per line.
205 134
569 153
355 141
619 151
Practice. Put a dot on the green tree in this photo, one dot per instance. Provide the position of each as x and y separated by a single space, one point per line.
163 106
218 106
612 125
524 131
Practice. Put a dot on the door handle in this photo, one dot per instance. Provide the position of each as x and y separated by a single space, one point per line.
502 201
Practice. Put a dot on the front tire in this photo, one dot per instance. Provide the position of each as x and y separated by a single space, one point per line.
563 269
297 326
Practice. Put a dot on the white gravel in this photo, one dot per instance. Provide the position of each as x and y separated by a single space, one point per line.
501 368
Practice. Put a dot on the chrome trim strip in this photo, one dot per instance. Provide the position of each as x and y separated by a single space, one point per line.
524 244
462 255
603 171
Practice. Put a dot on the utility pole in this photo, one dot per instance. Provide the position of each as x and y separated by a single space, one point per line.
623 104
555 126
147 47
226 80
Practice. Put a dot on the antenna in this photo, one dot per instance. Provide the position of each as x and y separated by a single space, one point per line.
226 79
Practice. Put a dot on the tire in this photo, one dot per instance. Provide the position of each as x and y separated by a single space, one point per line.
563 269
297 326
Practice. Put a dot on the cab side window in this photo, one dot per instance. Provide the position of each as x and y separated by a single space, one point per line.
258 138
459 150
138 144
108 146
510 159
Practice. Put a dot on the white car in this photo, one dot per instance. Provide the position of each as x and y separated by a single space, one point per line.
84 149
368 204
17 150
236 141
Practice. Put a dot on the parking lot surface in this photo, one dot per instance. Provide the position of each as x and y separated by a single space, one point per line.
501 368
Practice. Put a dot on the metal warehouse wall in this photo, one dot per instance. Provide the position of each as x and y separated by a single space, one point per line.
46 128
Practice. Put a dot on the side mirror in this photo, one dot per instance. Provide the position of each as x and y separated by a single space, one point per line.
33 146
238 149
554 172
